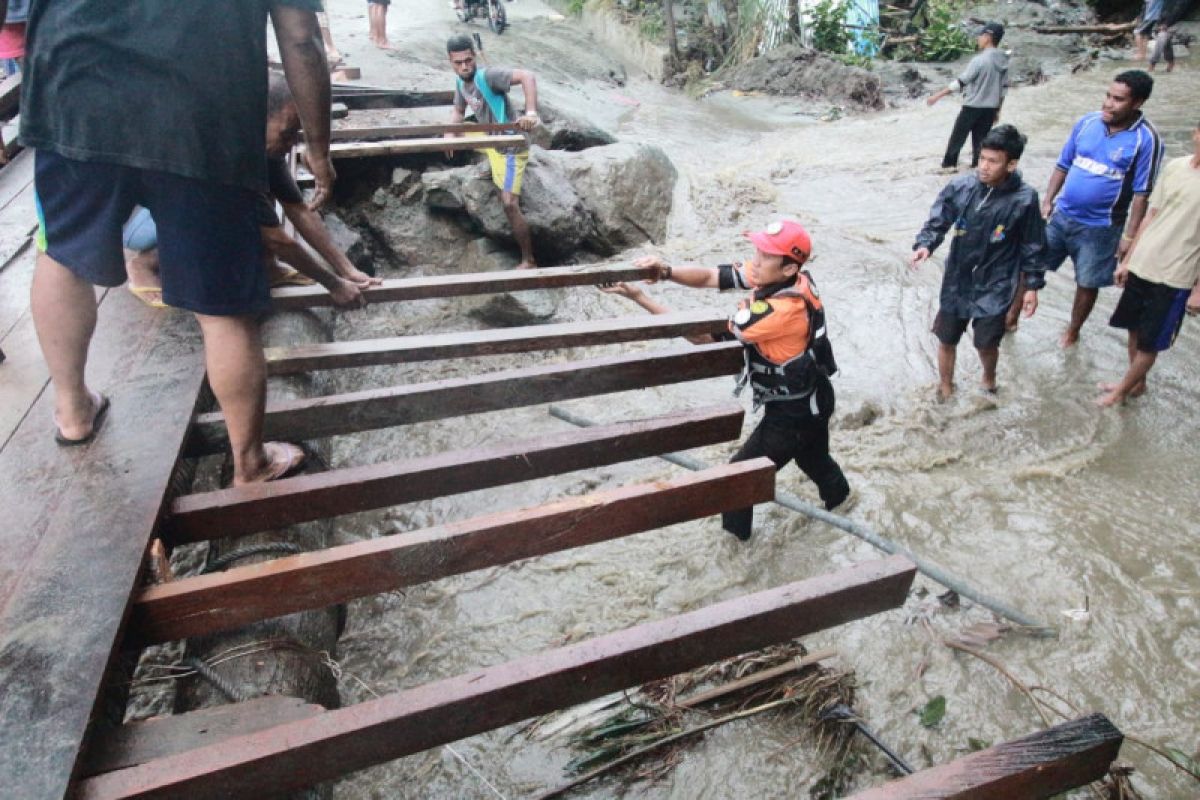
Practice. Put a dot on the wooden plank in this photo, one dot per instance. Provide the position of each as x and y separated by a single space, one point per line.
409 349
138 742
358 99
77 522
401 131
472 283
18 223
258 507
372 409
205 604
300 754
395 147
1040 765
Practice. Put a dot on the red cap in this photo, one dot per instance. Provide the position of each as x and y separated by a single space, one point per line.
783 238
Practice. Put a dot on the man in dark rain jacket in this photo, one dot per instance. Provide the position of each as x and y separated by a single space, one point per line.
997 236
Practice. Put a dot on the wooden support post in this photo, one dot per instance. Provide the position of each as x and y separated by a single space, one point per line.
1040 765
372 409
408 349
255 507
396 147
440 286
208 603
302 753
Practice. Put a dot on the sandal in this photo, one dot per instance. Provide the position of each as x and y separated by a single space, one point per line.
101 404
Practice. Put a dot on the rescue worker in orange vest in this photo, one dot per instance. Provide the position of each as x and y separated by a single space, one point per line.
789 359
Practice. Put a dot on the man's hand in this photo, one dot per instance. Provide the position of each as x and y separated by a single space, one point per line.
919 256
1123 247
528 121
662 267
1121 275
1193 301
1047 208
324 173
1029 304
361 279
628 291
346 295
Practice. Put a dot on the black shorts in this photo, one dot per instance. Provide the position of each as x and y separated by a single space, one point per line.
1152 310
209 245
988 330
1146 27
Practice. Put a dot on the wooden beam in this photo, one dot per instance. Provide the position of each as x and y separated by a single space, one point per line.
401 131
258 507
409 349
298 754
395 147
1040 765
366 98
205 604
76 525
138 742
371 409
472 283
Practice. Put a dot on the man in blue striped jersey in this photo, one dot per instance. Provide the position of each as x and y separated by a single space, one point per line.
1099 191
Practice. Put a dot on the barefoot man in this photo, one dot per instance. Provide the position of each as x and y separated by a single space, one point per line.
485 93
1098 192
1160 273
997 235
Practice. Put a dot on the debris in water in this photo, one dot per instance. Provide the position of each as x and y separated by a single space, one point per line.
933 712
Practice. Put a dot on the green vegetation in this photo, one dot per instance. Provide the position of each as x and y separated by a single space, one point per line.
943 39
829 34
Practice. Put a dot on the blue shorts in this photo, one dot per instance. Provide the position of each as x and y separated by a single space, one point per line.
1092 248
209 245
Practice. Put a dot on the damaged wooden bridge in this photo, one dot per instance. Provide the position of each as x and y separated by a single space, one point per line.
76 604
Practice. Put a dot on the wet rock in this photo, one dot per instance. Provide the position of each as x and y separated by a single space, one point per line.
801 71
517 308
627 188
866 414
487 255
561 131
404 232
401 179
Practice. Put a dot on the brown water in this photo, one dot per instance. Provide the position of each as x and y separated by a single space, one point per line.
1036 496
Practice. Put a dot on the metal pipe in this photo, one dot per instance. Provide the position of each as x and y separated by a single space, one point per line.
871 537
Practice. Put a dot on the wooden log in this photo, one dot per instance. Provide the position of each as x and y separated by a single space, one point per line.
472 283
395 147
402 131
372 409
246 509
367 98
208 603
409 349
72 549
337 742
1040 765
138 742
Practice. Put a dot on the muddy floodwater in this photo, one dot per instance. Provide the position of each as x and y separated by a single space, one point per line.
1034 495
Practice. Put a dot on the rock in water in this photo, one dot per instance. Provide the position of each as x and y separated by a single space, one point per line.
518 308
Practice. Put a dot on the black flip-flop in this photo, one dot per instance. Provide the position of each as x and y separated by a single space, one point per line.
97 422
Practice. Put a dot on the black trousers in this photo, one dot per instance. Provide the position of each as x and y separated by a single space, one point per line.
975 121
783 439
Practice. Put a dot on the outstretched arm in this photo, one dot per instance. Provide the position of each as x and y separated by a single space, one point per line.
941 216
312 229
528 82
642 298
307 72
687 275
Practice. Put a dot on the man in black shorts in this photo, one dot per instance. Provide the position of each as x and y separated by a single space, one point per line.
997 237
121 115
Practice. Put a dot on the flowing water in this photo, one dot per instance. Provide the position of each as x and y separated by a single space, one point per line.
1035 495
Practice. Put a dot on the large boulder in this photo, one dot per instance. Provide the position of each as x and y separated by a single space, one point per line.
562 131
627 189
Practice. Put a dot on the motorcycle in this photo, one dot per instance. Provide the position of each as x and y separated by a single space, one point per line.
493 10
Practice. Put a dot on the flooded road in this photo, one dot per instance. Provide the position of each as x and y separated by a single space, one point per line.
1036 496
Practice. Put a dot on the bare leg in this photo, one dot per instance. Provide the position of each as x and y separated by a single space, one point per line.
520 228
1085 300
988 358
377 14
1134 382
64 316
331 52
237 373
1138 389
947 354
